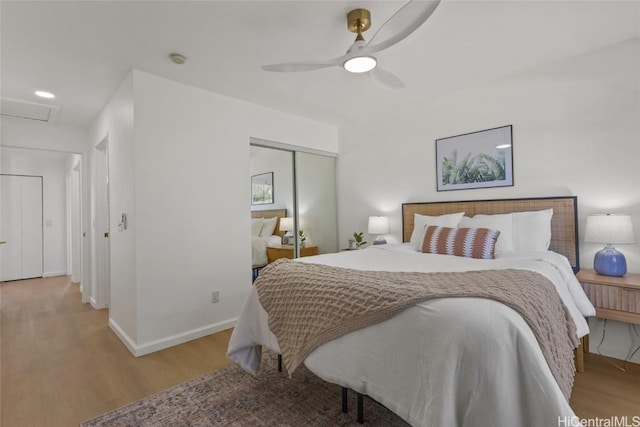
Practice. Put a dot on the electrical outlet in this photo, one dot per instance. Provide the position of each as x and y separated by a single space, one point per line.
215 297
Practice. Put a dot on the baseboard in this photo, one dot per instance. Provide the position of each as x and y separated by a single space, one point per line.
126 340
54 274
161 344
93 303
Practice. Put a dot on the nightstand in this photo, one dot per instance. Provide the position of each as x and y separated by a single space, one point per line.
615 298
277 252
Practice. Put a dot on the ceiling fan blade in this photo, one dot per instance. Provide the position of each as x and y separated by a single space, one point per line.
304 66
402 23
385 79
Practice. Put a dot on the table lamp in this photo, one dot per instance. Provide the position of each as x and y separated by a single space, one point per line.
378 225
286 224
609 229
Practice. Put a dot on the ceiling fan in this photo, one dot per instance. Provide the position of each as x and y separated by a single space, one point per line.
360 56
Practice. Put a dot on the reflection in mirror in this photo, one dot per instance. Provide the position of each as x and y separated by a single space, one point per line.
280 164
295 188
267 210
316 201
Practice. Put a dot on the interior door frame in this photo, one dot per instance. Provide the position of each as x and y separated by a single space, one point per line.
74 223
102 228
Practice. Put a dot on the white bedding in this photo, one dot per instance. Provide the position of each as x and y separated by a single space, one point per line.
443 362
259 249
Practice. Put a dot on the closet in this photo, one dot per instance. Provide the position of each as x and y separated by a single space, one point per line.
21 256
303 183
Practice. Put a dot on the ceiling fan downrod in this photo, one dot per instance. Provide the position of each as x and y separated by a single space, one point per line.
359 21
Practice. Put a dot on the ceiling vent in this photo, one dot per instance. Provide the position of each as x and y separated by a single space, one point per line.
28 110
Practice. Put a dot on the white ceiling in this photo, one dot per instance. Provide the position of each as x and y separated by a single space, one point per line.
82 50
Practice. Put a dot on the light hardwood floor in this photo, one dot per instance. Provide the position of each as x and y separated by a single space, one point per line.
61 363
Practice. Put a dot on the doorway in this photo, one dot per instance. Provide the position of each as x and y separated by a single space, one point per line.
50 169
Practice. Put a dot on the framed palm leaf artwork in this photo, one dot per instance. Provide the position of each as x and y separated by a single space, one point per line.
262 189
475 160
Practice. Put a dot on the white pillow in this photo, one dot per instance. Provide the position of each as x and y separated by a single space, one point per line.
501 222
256 226
268 225
421 222
532 230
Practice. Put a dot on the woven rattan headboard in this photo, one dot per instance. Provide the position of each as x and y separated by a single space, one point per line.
564 226
270 213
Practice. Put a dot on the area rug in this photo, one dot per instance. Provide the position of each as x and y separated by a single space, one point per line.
231 397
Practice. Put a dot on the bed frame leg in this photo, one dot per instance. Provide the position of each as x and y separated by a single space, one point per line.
279 363
579 357
360 409
345 406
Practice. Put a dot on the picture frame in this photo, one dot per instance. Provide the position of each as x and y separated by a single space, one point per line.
262 189
481 159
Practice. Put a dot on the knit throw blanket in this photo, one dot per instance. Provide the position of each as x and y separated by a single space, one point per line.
311 304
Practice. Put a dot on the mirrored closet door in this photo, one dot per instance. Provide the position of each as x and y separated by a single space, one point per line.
316 200
295 189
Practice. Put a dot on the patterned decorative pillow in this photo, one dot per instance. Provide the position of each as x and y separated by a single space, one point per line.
465 242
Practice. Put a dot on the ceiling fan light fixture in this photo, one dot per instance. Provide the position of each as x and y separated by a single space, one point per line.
360 64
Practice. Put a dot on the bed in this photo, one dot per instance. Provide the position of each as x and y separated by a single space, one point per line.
265 233
447 361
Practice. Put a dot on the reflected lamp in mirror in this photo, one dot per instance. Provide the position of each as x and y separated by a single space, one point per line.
286 224
378 225
609 229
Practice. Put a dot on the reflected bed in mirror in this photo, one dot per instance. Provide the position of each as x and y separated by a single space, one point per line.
267 234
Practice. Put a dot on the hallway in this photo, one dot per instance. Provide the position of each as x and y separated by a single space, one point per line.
61 364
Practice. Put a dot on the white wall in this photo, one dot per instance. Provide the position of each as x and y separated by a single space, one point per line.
179 166
576 131
23 133
116 122
52 170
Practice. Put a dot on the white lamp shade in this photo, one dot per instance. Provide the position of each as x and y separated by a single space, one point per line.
378 225
609 229
286 224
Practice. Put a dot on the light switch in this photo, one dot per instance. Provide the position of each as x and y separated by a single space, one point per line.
49 223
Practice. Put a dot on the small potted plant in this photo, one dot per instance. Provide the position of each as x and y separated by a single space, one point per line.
359 239
302 236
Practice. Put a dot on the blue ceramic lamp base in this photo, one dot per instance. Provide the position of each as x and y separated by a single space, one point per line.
380 241
610 262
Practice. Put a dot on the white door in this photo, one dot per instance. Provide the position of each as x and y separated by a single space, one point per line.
103 269
75 229
21 227
32 264
11 228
